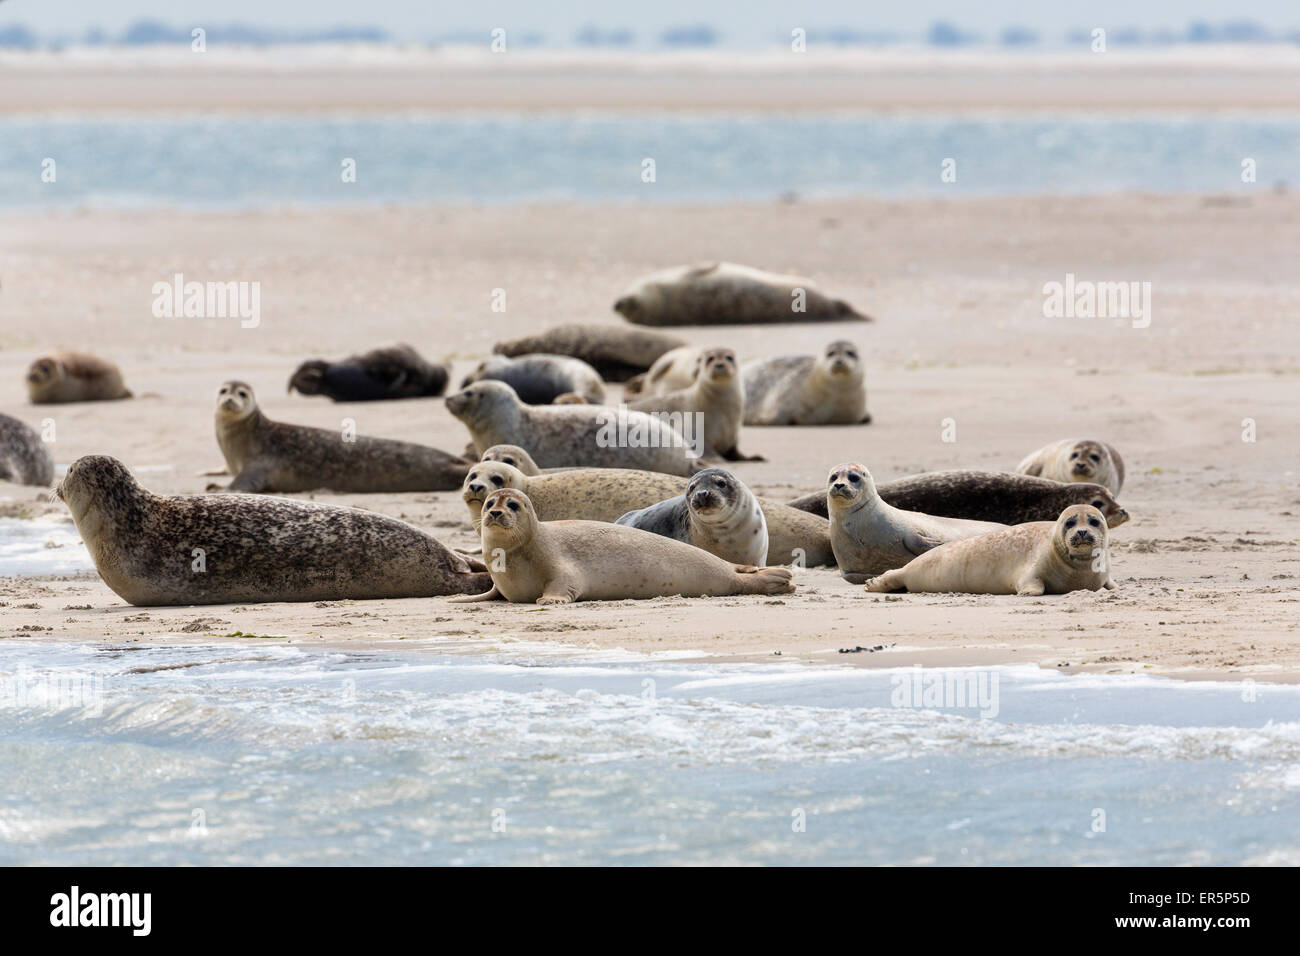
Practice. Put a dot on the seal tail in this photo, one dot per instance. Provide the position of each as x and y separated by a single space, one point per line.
849 314
752 580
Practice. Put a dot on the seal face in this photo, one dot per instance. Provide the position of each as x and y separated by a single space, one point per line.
870 536
563 561
225 549
616 352
985 496
74 377
1077 459
716 513
542 379
806 389
1041 557
514 456
572 435
264 455
715 395
394 372
724 293
24 459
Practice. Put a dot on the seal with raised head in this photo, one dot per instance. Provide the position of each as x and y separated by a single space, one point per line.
606 494
716 513
24 459
716 396
1040 557
984 496
593 436
807 390
74 377
263 455
396 371
724 293
557 562
236 549
870 536
542 379
1077 459
615 351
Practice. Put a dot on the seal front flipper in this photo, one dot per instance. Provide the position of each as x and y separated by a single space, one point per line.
559 593
1031 587
918 542
854 577
250 480
492 595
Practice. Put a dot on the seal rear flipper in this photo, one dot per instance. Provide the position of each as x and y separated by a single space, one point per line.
736 454
769 580
492 595
855 577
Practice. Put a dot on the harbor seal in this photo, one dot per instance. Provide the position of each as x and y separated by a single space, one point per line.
24 459
724 293
1041 557
715 396
671 372
717 513
274 456
581 435
616 352
557 562
74 377
870 536
1077 459
397 371
606 494
984 496
542 379
807 390
512 455
236 549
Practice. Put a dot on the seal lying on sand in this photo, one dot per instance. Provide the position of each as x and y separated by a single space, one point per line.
24 459
717 513
606 494
273 456
807 390
1041 557
616 352
1077 459
723 293
716 395
984 496
237 549
74 377
869 536
583 435
542 379
671 372
558 562
397 371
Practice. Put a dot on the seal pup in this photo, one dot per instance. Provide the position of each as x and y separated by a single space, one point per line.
24 459
274 456
74 377
716 395
236 549
717 513
1041 557
807 390
397 371
606 494
724 293
542 379
616 352
870 536
671 372
580 435
557 562
984 496
1077 459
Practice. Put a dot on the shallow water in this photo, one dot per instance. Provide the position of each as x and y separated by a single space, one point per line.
45 546
238 161
469 752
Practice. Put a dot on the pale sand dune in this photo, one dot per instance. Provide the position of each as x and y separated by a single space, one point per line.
1207 571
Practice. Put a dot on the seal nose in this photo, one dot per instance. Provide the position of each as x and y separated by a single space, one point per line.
496 512
476 488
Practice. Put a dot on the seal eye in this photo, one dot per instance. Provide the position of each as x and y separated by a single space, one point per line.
855 478
720 482
1096 458
508 461
512 505
1071 522
498 480
1097 504
1094 522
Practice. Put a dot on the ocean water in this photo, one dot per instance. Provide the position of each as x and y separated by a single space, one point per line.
482 752
41 547
241 161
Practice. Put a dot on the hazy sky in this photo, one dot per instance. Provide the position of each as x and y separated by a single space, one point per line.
738 20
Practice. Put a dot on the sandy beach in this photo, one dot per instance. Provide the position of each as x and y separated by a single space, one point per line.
1206 570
